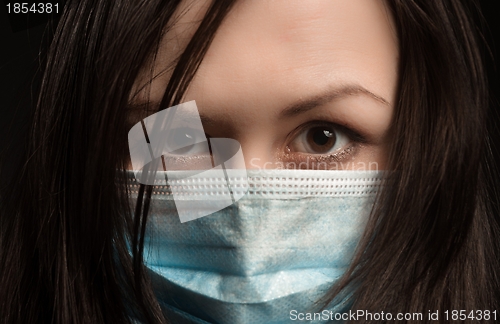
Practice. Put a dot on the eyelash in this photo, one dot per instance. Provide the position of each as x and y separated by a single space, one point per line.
356 139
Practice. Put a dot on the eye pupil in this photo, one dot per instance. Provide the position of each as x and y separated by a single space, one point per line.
321 139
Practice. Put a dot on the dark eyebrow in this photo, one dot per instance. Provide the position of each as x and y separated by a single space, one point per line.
349 90
142 108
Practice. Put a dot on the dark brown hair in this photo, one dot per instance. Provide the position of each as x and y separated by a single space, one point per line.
431 244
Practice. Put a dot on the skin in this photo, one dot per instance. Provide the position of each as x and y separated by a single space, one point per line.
278 70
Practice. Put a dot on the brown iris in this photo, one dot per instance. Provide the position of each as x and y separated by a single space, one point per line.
321 139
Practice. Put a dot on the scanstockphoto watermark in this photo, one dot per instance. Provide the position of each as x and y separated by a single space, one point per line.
357 315
313 164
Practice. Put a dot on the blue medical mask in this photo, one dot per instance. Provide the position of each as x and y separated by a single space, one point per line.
268 257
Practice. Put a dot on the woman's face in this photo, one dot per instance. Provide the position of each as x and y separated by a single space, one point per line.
300 84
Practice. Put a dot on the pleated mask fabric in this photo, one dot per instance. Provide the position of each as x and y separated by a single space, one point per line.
271 254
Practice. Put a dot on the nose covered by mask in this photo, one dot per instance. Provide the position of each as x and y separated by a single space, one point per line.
266 258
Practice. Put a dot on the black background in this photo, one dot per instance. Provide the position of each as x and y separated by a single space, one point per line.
21 37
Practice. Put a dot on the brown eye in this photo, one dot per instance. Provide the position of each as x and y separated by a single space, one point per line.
319 139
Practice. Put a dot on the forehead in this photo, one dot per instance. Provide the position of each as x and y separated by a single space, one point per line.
279 49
